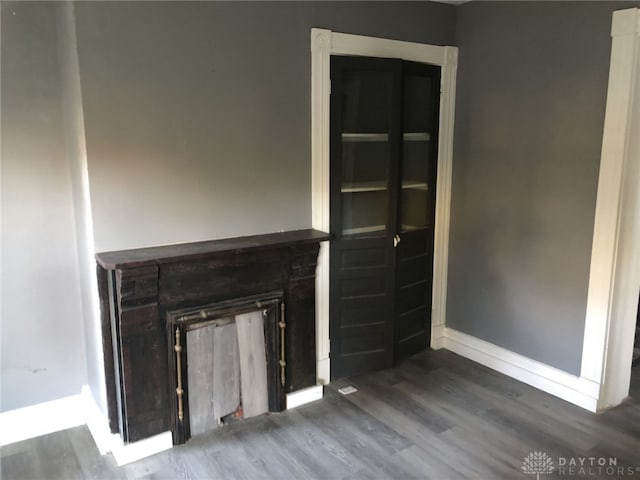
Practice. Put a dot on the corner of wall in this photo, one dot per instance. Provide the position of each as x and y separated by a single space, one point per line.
78 164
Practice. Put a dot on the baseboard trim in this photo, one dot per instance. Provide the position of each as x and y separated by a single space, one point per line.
577 390
109 442
131 452
41 419
304 396
97 423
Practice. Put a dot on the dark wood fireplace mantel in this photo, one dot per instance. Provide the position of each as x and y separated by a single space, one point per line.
138 288
195 251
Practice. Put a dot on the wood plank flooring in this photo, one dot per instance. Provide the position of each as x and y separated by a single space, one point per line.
436 416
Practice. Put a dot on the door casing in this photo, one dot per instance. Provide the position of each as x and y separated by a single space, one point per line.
324 43
614 275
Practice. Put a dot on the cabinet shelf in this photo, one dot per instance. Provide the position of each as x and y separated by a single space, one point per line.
410 228
361 230
365 137
381 186
384 137
416 136
379 228
415 185
353 187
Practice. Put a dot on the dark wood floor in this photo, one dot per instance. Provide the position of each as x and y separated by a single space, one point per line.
436 416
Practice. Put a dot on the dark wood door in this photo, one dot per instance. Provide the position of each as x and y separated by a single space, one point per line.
384 130
365 149
414 261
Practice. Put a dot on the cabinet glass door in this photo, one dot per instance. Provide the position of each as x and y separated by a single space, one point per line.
365 159
365 142
414 252
418 155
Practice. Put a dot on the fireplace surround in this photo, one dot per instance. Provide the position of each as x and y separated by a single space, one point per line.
143 293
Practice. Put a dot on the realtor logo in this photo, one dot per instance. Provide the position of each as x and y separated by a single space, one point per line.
537 463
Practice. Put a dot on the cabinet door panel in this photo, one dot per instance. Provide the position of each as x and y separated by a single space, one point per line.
365 132
413 270
144 393
412 324
363 311
414 264
361 307
420 99
365 146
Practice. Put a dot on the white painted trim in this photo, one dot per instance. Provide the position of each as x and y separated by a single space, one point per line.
41 419
69 412
320 89
614 279
304 396
323 371
109 442
437 336
131 452
443 193
97 423
347 44
324 43
323 364
577 390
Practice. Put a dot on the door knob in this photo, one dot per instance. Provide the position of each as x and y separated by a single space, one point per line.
396 240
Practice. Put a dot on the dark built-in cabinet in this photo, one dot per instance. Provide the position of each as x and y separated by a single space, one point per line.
384 130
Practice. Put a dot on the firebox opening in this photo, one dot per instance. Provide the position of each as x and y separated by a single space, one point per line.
229 363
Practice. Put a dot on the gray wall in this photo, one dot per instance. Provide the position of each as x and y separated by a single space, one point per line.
198 113
77 155
42 350
197 118
532 85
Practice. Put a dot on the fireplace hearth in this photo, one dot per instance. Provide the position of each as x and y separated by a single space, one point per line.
156 303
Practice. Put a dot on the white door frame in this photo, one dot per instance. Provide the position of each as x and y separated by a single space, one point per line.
614 280
325 43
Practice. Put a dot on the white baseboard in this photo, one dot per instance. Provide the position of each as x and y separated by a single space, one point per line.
124 454
109 442
41 419
49 417
306 395
576 390
97 423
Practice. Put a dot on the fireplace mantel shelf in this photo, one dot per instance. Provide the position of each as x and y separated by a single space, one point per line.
192 251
